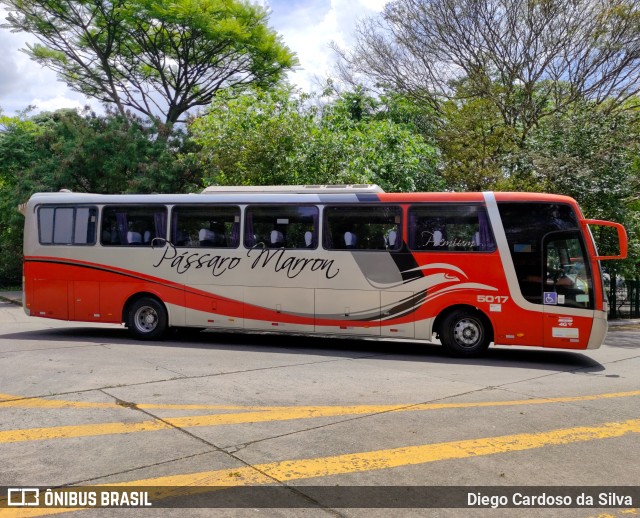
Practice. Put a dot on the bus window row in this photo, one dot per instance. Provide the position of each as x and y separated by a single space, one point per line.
431 227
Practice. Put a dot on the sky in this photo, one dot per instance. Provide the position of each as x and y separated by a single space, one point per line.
307 27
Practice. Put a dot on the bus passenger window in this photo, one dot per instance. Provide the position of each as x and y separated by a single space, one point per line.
450 228
206 226
281 226
133 226
67 225
362 227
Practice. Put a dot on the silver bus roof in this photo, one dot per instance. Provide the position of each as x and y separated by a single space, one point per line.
294 189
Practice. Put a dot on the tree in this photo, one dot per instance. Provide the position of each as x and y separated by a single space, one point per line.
276 137
476 145
83 152
159 59
592 155
107 154
366 140
18 136
529 58
251 139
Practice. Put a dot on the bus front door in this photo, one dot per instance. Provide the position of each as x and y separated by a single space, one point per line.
567 292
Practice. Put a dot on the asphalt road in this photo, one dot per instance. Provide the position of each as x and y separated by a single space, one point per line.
86 405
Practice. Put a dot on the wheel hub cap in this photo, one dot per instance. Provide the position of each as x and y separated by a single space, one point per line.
467 333
146 319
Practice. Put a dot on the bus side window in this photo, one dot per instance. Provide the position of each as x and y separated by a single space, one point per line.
133 225
206 226
450 227
281 226
67 225
362 227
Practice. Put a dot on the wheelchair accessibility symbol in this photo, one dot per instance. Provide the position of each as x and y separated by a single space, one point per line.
550 297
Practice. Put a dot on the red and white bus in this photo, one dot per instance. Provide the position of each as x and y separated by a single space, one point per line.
467 268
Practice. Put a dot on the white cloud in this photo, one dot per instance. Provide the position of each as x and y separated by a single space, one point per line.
26 83
9 79
55 103
309 27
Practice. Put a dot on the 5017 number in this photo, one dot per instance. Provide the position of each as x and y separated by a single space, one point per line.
499 299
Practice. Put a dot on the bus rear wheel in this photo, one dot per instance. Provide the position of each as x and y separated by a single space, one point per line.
147 319
464 333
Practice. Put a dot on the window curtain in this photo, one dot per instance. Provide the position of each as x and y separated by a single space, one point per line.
174 226
486 240
328 231
249 238
413 229
235 231
122 222
160 223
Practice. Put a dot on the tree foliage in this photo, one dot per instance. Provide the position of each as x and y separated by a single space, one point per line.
476 144
95 153
159 59
17 149
276 137
83 152
529 59
593 156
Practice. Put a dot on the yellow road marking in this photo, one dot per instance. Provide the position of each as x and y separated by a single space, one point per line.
289 470
90 430
264 414
9 401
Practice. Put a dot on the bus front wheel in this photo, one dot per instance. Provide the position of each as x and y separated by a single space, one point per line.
464 333
147 319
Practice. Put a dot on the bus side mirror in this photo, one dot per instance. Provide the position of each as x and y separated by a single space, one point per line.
622 238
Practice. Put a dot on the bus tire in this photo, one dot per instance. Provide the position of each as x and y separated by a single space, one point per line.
465 333
147 319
